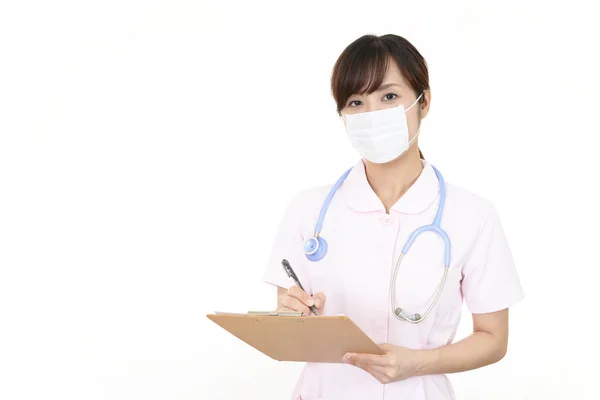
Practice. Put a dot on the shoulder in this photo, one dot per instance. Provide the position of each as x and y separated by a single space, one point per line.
302 211
468 198
469 206
307 200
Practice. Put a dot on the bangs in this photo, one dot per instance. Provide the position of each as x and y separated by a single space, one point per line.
360 70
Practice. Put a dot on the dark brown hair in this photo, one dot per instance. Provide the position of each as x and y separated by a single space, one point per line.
362 66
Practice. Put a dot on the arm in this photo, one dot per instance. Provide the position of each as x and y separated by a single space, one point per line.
486 345
490 282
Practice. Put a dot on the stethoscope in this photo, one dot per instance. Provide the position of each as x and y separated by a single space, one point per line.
315 248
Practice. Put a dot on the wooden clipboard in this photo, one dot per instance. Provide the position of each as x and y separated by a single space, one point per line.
298 338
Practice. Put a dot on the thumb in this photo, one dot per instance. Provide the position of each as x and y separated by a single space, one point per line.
386 347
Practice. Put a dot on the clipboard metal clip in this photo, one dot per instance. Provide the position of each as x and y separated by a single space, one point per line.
277 314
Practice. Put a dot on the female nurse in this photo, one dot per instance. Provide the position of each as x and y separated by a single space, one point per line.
347 260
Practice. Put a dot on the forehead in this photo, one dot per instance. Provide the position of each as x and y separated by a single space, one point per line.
388 75
393 75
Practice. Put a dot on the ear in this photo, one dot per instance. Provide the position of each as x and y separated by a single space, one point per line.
425 103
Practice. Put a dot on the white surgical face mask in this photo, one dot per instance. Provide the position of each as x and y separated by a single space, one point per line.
380 136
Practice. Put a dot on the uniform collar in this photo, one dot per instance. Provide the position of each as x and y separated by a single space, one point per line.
420 196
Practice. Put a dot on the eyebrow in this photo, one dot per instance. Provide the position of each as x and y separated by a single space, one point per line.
386 86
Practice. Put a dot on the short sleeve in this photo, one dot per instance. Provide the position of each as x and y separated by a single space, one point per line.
289 244
490 279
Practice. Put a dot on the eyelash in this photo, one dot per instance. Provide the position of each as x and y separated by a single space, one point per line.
387 94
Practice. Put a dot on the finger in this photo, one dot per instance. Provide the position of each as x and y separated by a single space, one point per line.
284 309
376 371
379 373
379 369
386 347
364 359
319 300
359 362
301 295
294 304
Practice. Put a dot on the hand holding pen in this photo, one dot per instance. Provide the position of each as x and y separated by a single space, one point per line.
296 299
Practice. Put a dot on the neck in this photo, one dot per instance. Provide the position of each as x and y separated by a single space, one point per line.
391 180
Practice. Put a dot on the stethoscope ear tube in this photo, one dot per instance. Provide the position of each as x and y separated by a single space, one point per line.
315 248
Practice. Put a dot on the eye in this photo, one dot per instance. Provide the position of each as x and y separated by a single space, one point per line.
351 104
390 96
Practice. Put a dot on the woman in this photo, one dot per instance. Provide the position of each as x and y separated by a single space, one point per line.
347 264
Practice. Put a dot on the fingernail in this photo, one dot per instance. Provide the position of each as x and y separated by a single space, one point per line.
317 303
310 302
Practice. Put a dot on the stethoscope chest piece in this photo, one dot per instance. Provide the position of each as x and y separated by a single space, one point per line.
402 315
315 248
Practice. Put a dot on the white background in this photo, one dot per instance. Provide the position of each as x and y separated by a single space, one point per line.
148 149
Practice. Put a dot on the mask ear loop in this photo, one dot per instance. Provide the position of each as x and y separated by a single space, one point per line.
410 142
418 130
412 105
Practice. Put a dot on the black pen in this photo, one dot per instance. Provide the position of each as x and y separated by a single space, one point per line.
292 274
